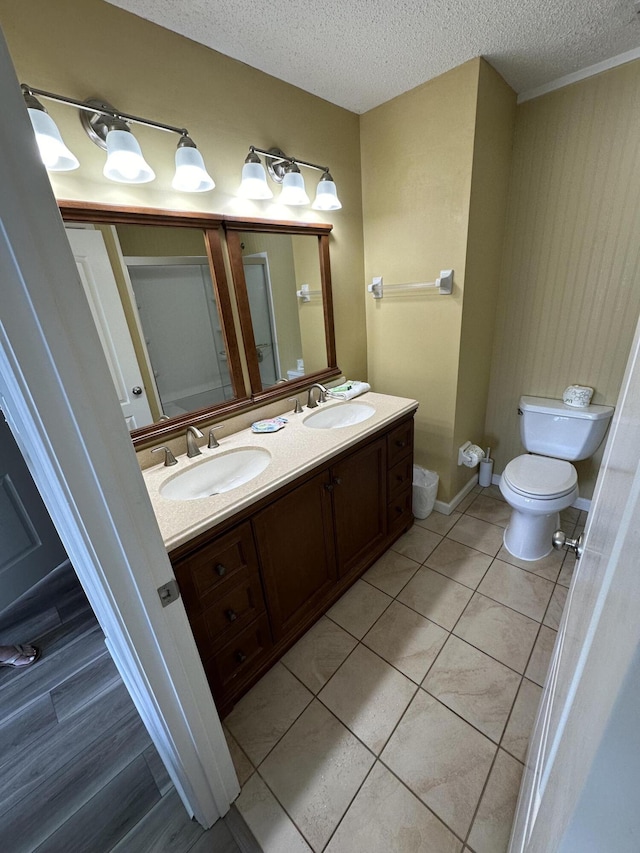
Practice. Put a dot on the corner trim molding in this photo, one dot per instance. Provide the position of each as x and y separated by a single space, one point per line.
448 508
576 76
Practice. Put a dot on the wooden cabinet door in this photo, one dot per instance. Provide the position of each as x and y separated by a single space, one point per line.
295 543
359 501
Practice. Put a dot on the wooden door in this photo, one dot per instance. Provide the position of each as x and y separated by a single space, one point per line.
294 539
359 501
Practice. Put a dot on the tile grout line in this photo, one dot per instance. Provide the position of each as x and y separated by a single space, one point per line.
416 685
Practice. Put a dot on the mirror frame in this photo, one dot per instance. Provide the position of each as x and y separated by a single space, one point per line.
211 227
233 227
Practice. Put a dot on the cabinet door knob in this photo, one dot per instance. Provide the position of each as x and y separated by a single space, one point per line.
337 481
220 569
328 487
231 615
240 656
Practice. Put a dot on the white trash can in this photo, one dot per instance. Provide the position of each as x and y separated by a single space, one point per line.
425 489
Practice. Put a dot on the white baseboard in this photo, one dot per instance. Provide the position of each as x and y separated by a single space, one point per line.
448 508
579 503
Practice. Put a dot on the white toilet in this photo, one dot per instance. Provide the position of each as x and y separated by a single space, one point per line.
540 484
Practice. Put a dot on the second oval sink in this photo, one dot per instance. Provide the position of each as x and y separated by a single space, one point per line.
215 474
340 415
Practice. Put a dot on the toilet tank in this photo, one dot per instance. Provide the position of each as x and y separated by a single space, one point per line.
551 428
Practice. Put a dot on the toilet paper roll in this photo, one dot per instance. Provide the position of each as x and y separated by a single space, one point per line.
473 455
578 396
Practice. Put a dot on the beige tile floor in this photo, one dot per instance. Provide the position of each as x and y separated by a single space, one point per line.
400 721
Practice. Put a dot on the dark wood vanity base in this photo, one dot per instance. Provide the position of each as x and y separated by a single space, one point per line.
255 583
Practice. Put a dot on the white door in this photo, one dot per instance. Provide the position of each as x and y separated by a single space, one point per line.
98 280
58 398
256 275
29 545
179 318
592 671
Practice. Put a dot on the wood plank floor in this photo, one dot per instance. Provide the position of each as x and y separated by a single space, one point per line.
78 770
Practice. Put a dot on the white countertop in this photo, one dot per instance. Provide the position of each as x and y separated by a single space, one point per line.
294 450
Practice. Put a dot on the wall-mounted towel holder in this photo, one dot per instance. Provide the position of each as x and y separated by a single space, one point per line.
444 284
304 294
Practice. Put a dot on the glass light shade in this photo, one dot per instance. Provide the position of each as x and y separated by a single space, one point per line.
125 162
191 175
254 182
326 196
55 154
293 191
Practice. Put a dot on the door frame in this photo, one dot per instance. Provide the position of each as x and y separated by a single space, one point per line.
57 395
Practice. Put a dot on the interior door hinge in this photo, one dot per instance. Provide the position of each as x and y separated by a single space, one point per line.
169 592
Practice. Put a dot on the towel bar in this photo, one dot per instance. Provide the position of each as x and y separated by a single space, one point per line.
444 284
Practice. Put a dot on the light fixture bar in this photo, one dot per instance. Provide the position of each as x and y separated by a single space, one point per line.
276 154
93 108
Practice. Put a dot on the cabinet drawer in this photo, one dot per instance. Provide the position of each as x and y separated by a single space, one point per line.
400 477
240 656
234 608
400 443
399 511
202 574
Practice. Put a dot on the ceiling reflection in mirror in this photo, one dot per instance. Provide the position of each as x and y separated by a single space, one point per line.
152 297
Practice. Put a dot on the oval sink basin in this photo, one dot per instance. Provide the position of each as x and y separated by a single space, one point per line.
340 415
216 474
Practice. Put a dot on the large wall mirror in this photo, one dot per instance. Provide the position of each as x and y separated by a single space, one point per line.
283 285
158 291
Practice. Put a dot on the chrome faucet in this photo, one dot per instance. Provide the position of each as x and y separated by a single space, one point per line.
169 458
192 446
322 396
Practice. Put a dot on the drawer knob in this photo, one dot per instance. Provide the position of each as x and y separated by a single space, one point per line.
231 615
400 443
399 510
240 656
220 569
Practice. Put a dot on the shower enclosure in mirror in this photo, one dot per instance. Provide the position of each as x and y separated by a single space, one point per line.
158 292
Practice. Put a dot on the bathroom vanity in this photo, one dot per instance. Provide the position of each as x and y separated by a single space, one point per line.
259 564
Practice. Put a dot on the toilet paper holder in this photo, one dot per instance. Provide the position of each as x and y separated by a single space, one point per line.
470 454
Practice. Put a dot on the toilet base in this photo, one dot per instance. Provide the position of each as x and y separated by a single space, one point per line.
528 536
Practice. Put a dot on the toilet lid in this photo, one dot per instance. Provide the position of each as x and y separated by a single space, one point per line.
540 476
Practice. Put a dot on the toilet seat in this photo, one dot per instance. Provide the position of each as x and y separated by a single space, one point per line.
540 477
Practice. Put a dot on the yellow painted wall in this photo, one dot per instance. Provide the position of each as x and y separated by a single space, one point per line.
570 289
310 314
495 119
85 48
435 167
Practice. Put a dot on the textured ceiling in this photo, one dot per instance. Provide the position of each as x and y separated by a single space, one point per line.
360 53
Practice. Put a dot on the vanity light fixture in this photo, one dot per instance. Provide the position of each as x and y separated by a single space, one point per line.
285 170
293 191
191 174
254 179
55 154
109 128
